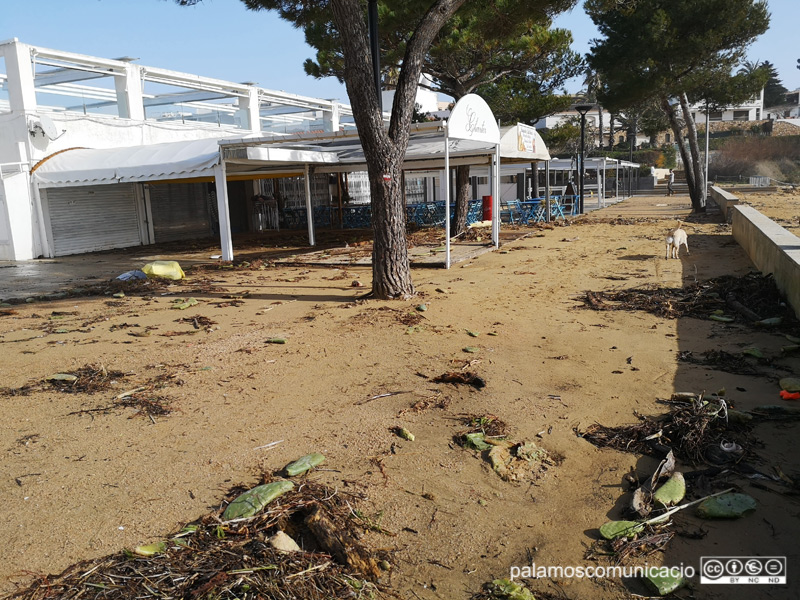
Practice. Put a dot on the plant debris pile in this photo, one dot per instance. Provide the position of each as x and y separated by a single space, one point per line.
226 560
489 425
690 428
755 294
89 379
723 361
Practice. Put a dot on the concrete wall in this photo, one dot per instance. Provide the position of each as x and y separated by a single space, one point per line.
725 200
772 249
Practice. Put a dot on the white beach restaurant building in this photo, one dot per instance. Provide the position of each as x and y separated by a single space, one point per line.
55 104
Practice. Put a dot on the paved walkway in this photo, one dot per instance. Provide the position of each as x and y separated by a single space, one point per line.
677 207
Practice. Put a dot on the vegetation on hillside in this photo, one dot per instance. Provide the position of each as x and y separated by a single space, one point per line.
776 157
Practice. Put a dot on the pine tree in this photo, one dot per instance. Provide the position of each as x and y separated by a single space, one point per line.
671 50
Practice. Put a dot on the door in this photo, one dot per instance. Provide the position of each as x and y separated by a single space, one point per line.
91 218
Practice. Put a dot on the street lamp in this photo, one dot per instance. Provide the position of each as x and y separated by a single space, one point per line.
582 109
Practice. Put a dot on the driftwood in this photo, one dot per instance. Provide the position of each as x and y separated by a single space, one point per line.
741 308
341 544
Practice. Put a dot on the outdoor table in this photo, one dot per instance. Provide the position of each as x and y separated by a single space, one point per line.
533 208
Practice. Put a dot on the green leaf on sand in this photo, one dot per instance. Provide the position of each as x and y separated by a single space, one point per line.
252 501
721 318
771 322
664 584
304 463
790 384
276 341
615 529
405 434
183 305
672 492
510 590
475 441
471 349
753 351
150 549
62 377
727 506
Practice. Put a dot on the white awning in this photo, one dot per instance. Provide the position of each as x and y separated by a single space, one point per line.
522 143
154 162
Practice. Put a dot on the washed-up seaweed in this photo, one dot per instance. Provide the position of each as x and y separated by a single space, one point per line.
722 361
465 377
89 379
231 560
689 429
623 549
758 293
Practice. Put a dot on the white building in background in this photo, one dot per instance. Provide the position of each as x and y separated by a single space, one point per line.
53 101
752 110
789 109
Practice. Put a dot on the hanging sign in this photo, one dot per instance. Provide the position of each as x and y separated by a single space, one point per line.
472 119
526 138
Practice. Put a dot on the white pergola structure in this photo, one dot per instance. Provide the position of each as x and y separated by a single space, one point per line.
260 157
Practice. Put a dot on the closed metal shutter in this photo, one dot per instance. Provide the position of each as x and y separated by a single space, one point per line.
180 211
90 218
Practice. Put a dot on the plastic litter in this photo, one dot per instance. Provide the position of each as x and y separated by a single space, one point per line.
132 275
165 269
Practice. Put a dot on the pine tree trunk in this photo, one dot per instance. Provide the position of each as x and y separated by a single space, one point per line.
384 150
697 191
391 274
677 131
462 200
611 131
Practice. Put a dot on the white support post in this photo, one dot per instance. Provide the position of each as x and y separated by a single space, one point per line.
496 198
603 184
130 101
20 86
249 111
226 240
330 119
44 247
446 178
547 186
309 211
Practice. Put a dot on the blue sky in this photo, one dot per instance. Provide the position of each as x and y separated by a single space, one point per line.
220 38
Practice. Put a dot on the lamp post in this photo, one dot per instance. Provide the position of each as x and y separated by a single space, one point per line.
582 109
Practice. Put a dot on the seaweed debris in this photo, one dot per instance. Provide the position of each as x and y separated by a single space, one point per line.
757 293
228 560
690 428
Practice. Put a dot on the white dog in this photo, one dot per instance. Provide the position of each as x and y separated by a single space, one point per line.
675 239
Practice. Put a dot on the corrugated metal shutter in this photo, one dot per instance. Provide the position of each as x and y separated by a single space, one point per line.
90 218
180 211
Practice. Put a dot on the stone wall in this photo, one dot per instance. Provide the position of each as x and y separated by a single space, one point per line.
774 128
